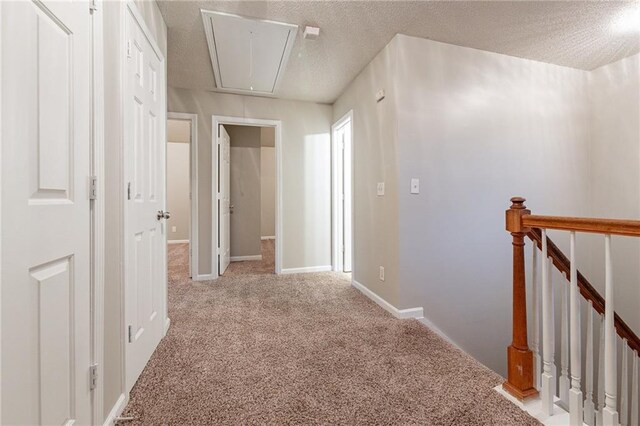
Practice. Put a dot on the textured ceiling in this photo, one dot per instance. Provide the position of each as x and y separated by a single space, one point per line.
577 34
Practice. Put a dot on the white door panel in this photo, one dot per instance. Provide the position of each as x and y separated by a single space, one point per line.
145 234
224 202
46 53
347 206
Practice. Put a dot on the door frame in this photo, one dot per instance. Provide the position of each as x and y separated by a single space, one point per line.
193 171
337 161
217 120
97 209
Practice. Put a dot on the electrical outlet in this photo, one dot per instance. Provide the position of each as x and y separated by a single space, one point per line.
380 188
174 229
382 273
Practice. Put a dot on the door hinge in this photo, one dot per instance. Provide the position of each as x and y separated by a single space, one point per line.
93 376
218 196
129 191
92 6
130 334
128 48
93 187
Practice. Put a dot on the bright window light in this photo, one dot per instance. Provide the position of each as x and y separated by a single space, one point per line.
628 21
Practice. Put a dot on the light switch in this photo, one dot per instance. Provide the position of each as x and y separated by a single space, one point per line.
173 229
380 188
415 186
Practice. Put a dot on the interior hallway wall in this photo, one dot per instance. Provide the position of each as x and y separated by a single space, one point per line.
306 169
245 190
114 55
376 219
615 179
178 188
267 190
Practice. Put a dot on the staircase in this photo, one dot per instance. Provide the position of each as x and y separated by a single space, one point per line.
608 394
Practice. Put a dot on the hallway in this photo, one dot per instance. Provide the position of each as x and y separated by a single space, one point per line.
256 348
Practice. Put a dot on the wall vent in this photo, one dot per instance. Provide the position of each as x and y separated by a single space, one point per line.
248 56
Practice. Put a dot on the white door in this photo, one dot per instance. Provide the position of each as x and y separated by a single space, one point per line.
46 104
347 198
224 198
145 171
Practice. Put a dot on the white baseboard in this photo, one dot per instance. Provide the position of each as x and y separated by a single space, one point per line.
177 241
206 277
241 258
307 269
167 324
115 412
398 313
271 237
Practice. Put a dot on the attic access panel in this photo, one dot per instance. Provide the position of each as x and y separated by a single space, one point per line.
247 55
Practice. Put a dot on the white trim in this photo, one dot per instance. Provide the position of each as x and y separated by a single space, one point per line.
1 150
270 237
167 324
398 313
325 268
208 29
216 120
98 208
243 258
177 241
336 210
204 277
145 29
193 150
533 406
116 410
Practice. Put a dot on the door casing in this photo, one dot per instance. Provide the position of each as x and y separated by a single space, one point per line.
217 120
337 163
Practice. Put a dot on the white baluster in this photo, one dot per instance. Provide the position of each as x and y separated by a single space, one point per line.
610 413
635 416
548 380
589 407
575 395
535 305
624 388
600 373
565 384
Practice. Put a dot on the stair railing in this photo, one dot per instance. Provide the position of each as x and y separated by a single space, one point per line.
532 372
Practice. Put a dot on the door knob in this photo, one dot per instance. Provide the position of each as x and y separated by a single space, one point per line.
231 208
163 215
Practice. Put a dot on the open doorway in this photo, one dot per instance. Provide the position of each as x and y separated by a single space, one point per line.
181 181
247 198
342 189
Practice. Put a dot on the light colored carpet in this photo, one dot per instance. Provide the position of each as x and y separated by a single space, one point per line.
256 348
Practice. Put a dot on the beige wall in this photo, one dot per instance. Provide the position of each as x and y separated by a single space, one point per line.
178 187
305 169
375 147
615 178
113 54
267 191
245 190
476 128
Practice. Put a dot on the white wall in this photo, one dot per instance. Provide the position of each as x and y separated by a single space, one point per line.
306 177
615 177
245 190
178 187
267 191
476 128
113 56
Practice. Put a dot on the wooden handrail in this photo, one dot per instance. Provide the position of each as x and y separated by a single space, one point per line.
521 223
629 228
562 264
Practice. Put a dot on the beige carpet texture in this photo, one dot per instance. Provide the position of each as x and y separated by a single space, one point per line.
254 348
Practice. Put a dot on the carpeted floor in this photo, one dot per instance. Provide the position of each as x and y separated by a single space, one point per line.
256 348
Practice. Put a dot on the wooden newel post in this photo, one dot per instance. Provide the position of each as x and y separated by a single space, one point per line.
519 357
